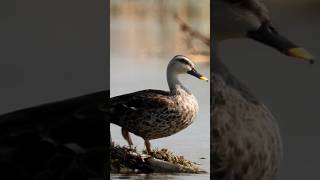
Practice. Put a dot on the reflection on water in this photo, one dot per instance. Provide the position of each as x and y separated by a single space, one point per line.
144 38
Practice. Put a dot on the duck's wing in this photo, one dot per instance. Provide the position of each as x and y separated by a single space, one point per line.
61 139
134 102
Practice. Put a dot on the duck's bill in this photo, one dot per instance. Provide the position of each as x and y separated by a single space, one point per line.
266 34
194 73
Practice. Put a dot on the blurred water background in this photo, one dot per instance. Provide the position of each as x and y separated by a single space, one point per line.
144 36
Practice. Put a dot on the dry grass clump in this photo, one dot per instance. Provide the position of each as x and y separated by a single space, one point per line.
166 155
126 160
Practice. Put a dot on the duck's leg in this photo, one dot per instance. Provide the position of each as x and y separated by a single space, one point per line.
111 143
126 136
148 146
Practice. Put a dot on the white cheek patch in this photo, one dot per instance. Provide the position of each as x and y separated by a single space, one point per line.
246 20
187 68
183 69
251 21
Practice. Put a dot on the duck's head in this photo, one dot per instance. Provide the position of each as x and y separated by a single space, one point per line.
183 65
250 19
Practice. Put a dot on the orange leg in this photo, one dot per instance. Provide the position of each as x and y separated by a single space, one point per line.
148 146
126 136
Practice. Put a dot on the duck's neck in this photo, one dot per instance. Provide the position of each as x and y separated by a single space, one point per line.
221 77
216 64
174 84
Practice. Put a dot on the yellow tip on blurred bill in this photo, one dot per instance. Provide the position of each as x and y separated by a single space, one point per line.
203 78
301 54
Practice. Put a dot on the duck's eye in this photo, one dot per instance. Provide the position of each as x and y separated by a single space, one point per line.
270 28
183 61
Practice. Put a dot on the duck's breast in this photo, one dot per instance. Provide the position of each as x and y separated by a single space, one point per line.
179 113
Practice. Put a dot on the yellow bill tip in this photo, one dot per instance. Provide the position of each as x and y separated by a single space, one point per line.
302 54
203 78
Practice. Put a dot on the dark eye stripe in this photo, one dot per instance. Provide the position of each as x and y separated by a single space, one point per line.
184 61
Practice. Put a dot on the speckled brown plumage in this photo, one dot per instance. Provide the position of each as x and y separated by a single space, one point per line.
153 114
245 140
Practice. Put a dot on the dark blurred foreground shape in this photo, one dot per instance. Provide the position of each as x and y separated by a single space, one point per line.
62 140
49 50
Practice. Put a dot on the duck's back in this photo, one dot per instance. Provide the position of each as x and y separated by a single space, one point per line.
246 143
153 114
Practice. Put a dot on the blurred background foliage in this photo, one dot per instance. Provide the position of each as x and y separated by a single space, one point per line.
141 28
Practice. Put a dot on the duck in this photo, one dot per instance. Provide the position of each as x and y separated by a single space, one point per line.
246 142
153 114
